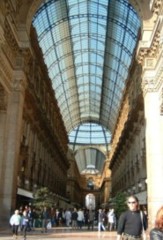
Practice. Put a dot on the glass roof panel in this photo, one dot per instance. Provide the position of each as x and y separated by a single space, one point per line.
88 48
89 133
90 161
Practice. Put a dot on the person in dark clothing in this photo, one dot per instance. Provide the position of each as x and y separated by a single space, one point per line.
101 220
74 217
91 216
157 232
130 225
34 218
24 223
86 217
45 219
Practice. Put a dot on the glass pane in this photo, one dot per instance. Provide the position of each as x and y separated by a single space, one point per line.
88 48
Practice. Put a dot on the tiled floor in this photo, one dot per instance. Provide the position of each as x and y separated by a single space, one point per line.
61 233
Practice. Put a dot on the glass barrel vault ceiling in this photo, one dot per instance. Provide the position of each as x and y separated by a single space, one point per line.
89 134
87 46
92 158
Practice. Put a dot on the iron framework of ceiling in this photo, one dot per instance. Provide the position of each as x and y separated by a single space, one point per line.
88 47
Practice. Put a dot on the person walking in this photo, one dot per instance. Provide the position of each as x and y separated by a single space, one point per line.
157 232
15 223
111 219
74 218
24 223
91 217
130 224
101 220
45 219
68 217
80 218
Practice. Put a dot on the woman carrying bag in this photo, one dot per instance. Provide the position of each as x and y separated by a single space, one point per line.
131 224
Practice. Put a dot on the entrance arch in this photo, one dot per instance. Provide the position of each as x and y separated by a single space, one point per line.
90 201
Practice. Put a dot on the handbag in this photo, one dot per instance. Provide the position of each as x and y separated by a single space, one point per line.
144 236
49 225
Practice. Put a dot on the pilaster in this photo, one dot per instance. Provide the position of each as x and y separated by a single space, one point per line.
152 82
12 143
154 152
150 55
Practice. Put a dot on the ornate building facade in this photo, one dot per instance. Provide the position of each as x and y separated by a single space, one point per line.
33 140
136 154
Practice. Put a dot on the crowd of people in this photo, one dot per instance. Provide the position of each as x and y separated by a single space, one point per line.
28 218
132 224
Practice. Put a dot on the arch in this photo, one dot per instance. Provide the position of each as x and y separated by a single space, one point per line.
90 160
30 12
27 11
97 147
142 8
90 201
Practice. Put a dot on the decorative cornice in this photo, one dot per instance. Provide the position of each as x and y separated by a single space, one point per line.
12 8
155 6
9 7
9 35
146 51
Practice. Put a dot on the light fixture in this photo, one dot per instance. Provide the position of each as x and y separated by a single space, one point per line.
26 182
140 185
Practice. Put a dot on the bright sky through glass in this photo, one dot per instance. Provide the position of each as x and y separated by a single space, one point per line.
88 48
90 134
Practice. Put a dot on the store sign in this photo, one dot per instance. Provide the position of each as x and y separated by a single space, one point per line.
24 193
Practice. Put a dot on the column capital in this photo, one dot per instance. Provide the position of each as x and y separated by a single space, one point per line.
153 74
155 6
148 85
19 82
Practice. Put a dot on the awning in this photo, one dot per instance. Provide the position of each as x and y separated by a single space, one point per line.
24 193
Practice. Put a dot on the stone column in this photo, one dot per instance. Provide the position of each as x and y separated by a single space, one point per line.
12 145
150 55
154 148
3 98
